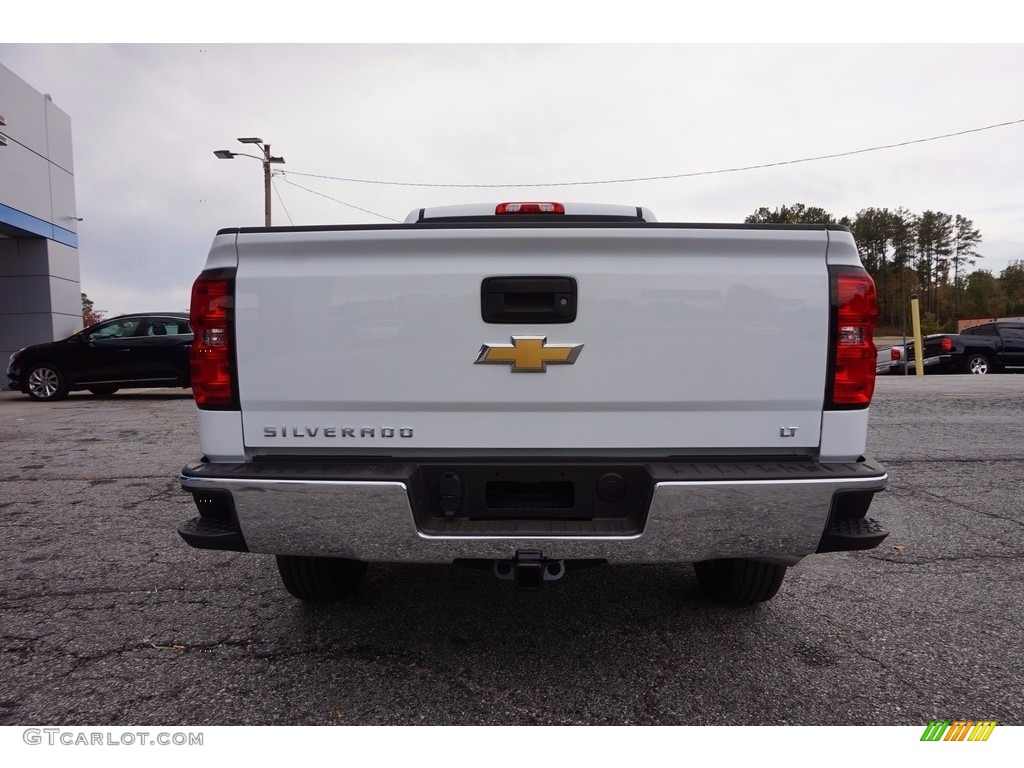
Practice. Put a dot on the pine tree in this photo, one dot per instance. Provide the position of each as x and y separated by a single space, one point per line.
966 240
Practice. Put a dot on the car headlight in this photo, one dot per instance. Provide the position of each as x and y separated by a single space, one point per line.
15 356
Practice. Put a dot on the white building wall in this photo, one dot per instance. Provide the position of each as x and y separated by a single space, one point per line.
40 284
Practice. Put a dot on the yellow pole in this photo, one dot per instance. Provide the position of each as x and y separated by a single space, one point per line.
915 313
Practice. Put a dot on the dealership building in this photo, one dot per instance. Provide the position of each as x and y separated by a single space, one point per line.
40 287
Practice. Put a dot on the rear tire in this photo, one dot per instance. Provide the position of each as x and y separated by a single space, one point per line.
977 364
320 579
103 391
738 581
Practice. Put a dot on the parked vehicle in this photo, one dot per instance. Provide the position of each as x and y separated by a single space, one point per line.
899 360
979 350
137 350
889 358
992 346
516 385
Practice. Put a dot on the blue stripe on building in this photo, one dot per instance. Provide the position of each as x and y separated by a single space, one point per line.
36 226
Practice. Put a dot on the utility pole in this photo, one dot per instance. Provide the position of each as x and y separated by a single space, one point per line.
267 159
266 183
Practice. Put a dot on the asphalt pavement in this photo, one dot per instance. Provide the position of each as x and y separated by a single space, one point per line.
108 618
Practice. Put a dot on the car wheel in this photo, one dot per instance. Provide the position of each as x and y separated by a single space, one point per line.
103 391
739 582
320 579
977 364
46 382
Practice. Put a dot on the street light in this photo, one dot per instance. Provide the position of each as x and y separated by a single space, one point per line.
267 159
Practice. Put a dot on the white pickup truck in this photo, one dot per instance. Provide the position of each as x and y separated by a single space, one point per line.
533 386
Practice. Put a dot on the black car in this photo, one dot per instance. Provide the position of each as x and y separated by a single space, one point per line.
143 350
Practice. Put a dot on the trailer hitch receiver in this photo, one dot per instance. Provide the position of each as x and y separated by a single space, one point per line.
529 569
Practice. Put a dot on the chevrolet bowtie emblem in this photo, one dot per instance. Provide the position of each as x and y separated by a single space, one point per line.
529 354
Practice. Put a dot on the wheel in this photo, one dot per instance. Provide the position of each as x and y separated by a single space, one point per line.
103 391
739 582
46 382
977 363
320 579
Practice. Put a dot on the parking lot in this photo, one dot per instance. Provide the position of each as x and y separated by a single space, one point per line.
108 618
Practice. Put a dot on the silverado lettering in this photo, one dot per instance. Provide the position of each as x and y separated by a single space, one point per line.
293 431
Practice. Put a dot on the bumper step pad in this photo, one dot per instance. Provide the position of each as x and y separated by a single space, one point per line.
204 533
845 535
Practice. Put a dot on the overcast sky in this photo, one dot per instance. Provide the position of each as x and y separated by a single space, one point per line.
147 118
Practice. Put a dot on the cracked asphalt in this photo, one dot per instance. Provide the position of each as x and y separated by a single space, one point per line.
108 618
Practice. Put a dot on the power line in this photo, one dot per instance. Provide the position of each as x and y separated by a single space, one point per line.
321 194
655 178
281 201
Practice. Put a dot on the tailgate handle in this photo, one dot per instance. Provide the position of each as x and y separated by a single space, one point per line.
528 300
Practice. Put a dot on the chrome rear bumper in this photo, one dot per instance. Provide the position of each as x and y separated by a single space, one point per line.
781 515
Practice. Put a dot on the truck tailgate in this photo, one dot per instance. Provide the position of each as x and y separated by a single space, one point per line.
693 339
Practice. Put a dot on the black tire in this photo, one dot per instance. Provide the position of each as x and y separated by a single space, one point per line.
738 581
977 364
46 382
103 391
320 579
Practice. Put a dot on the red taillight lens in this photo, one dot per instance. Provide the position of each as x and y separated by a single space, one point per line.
894 354
211 357
854 354
947 344
554 208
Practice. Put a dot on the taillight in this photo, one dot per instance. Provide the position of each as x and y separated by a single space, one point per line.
947 344
553 208
211 357
854 312
894 354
